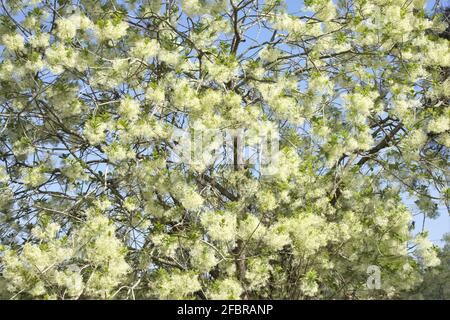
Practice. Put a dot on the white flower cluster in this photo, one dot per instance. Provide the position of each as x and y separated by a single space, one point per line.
156 94
203 257
13 42
95 131
214 28
308 232
308 284
118 152
220 225
426 252
192 7
220 72
415 139
4 177
270 55
293 25
360 105
58 263
202 7
73 170
258 273
320 84
145 49
110 30
60 57
35 176
440 124
251 228
129 109
176 285
277 237
67 27
267 200
190 199
323 9
226 289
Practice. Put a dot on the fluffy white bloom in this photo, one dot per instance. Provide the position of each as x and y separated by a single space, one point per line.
258 273
129 109
438 53
251 227
66 28
309 232
320 84
7 69
351 144
49 232
13 42
416 139
277 237
190 199
444 139
440 124
269 54
201 7
145 49
203 257
365 140
81 21
293 25
47 264
402 107
309 287
34 177
169 57
95 131
426 252
117 152
156 95
185 96
178 285
40 40
360 104
130 204
220 72
267 200
220 225
35 64
108 30
324 9
72 280
3 175
59 56
192 7
227 289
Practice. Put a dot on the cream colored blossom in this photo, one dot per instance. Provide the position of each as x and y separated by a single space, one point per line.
13 41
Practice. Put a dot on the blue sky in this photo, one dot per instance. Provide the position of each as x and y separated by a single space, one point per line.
436 227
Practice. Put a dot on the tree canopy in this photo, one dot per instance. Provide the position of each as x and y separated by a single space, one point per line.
311 122
435 284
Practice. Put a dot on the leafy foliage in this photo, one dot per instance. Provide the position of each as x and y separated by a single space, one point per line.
95 202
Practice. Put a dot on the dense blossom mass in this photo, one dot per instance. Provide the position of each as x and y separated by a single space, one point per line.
95 202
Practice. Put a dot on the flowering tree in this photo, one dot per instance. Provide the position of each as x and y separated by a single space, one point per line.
436 281
97 202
